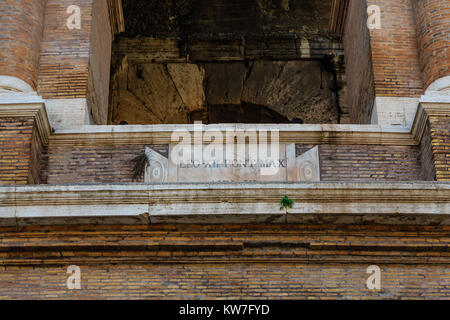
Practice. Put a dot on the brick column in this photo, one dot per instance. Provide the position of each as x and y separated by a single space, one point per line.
383 69
21 25
433 29
75 62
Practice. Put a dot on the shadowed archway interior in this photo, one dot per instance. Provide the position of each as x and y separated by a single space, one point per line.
246 61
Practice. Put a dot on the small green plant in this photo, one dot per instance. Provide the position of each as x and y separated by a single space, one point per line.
286 203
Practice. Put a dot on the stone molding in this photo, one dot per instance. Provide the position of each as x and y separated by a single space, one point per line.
440 87
10 84
28 107
420 203
289 133
429 107
18 105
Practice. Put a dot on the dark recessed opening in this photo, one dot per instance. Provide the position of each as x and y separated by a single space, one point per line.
227 61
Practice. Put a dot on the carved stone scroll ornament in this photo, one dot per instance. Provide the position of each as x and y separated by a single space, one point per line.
156 169
308 166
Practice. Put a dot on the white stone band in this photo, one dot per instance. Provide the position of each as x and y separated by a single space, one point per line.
10 84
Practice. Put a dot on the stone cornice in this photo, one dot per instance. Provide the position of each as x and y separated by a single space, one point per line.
378 203
429 107
27 107
289 133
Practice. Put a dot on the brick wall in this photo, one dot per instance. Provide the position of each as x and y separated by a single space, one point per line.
36 157
99 62
16 159
426 155
231 281
394 51
440 141
75 63
380 62
113 163
21 23
433 28
65 53
92 164
367 162
194 262
358 61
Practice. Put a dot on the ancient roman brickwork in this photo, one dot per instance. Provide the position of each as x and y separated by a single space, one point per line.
226 261
433 28
358 61
394 51
426 155
93 164
440 142
367 162
21 23
65 53
114 163
75 63
230 281
99 62
380 62
20 151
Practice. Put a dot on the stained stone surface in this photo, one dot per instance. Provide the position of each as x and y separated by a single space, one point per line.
255 92
188 79
224 82
187 17
227 61
293 89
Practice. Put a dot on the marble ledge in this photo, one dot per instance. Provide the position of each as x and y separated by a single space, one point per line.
415 203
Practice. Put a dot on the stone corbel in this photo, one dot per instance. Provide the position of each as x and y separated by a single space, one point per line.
308 166
304 168
157 168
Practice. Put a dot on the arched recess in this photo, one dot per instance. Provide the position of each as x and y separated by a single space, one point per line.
10 84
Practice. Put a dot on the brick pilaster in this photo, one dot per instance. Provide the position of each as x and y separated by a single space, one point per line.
437 137
24 132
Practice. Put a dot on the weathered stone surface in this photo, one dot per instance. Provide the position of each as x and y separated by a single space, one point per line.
272 48
131 110
224 82
157 168
243 113
217 50
188 79
234 61
295 89
148 49
187 17
238 92
252 168
153 86
308 166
